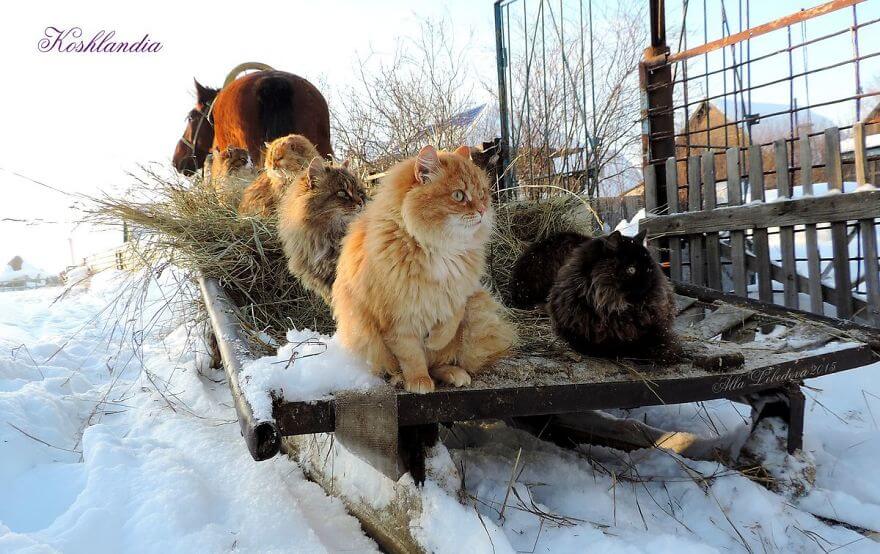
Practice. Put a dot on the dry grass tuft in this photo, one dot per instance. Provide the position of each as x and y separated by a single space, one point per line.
191 226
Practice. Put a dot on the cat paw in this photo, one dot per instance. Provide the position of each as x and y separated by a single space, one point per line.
452 375
419 384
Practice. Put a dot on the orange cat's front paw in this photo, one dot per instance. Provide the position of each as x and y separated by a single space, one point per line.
452 375
420 384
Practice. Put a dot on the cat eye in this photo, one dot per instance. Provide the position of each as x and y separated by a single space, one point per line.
342 194
458 195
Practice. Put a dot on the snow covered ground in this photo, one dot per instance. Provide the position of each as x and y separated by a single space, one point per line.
113 442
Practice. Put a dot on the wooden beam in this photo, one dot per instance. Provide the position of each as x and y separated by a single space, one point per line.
841 208
468 404
774 25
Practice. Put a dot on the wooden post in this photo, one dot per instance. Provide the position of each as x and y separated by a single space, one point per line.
786 234
695 242
839 239
872 271
759 236
737 238
859 152
672 197
814 271
713 246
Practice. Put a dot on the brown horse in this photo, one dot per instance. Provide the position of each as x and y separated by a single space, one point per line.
248 113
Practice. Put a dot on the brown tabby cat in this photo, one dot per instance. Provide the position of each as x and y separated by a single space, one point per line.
285 158
407 295
313 216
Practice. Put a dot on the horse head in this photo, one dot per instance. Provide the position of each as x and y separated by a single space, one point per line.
198 136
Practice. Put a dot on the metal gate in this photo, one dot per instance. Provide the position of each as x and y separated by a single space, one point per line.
739 190
569 108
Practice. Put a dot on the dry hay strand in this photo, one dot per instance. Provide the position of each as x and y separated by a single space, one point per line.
192 225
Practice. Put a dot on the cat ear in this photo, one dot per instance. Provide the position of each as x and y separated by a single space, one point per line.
640 237
427 163
464 151
316 169
345 163
613 239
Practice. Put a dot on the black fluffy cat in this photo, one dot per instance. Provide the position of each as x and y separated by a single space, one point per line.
535 270
610 298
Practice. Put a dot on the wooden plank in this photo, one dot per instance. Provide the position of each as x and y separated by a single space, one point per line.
695 204
855 331
390 526
872 271
774 25
759 235
468 404
723 319
850 206
859 152
683 302
737 238
595 427
672 200
713 249
261 436
814 284
786 233
839 240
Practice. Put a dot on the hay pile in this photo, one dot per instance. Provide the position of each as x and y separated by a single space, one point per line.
191 226
188 224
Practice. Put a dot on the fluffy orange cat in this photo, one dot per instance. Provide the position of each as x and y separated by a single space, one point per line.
407 295
285 158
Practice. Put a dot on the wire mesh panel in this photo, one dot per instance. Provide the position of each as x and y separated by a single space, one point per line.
767 107
568 93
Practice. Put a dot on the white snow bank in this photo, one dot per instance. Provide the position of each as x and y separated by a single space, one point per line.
310 366
136 451
603 500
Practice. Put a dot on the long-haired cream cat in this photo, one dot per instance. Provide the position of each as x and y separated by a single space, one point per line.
407 295
313 216
285 158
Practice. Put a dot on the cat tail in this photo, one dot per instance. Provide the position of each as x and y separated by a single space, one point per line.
276 107
486 335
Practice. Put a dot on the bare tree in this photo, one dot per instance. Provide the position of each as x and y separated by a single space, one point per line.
393 108
575 98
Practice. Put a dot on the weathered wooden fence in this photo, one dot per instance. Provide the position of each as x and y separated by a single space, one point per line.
812 247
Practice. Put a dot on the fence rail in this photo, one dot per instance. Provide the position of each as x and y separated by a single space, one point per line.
799 249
